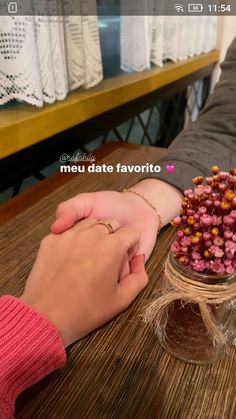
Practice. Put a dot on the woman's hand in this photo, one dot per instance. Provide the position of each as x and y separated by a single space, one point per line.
127 208
75 280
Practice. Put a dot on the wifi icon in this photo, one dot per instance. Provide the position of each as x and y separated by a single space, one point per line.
179 8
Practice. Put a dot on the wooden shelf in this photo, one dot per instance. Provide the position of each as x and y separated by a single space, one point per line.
23 125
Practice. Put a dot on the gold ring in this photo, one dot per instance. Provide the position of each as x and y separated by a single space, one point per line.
108 226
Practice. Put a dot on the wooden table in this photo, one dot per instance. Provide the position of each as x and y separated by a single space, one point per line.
120 371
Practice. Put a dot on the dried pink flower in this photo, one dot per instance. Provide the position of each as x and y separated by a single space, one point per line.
198 265
196 255
216 251
180 234
234 238
229 269
228 234
186 241
206 241
216 221
218 241
228 221
206 235
217 266
175 247
206 220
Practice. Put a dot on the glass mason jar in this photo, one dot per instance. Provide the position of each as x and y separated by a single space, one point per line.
182 331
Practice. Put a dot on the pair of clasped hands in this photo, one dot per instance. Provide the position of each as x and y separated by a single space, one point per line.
83 276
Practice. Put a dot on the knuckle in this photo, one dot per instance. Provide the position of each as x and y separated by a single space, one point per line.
60 207
46 240
93 220
124 303
135 231
145 280
118 242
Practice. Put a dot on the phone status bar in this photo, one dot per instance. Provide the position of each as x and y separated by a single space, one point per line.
116 8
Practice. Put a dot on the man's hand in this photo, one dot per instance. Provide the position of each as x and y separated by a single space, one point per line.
127 208
75 280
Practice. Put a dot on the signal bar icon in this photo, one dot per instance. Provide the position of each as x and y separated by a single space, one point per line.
179 8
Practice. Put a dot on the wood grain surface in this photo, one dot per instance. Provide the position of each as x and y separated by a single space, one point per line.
120 371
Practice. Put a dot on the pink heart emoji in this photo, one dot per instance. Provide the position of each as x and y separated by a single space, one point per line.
170 168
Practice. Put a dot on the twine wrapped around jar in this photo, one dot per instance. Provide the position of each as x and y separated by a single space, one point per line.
182 287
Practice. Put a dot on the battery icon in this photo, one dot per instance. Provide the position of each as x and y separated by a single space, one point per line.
195 8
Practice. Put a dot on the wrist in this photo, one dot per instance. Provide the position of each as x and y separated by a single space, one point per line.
149 205
33 346
145 219
164 197
142 210
48 314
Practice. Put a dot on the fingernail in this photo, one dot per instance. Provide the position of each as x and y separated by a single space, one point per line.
144 257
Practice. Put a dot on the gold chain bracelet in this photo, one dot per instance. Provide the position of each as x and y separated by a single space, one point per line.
150 205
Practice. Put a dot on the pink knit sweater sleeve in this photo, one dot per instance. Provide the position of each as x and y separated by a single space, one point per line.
30 348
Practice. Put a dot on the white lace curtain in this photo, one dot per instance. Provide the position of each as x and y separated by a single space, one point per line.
153 39
43 58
